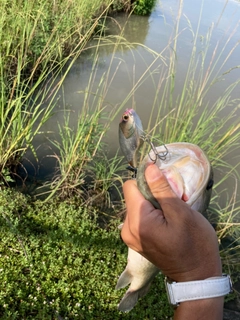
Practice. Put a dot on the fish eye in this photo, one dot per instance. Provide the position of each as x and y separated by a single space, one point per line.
210 184
125 117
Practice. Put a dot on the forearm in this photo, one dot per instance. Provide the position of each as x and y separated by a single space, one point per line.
205 309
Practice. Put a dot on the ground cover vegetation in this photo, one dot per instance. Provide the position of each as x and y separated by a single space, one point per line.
60 257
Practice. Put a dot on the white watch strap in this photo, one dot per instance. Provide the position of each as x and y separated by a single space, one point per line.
195 290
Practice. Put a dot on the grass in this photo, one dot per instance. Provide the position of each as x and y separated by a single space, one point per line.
60 258
40 40
59 263
27 62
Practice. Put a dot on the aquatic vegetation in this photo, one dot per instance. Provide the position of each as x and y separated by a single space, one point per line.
39 41
143 7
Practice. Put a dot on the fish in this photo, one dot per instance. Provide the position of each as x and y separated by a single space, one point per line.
189 174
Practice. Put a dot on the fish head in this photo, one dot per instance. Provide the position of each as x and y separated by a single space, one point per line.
188 172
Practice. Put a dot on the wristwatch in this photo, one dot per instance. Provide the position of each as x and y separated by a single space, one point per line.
194 290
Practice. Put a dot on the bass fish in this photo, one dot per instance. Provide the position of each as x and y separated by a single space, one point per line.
189 174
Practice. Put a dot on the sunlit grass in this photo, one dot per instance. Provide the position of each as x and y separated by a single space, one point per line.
106 181
39 43
76 148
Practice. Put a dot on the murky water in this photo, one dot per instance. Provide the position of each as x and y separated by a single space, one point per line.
127 65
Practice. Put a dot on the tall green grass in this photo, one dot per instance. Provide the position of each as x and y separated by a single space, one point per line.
39 43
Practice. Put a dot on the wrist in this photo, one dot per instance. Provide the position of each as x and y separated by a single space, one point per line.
207 309
202 272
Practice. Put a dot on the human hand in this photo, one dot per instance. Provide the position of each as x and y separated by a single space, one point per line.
177 239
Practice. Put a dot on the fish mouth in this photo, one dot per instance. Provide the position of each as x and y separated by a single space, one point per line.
187 170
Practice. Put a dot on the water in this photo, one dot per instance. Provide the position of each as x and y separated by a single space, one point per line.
127 66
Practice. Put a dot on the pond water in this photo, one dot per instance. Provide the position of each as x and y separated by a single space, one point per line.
127 67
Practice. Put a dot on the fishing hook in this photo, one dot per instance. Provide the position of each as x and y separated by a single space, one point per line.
162 155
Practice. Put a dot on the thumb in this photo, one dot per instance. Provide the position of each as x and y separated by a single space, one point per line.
159 185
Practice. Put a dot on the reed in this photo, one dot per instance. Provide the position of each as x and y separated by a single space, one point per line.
39 43
81 152
76 148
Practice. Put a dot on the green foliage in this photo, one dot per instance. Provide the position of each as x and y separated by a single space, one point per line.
143 7
38 39
56 261
31 29
76 148
106 180
121 5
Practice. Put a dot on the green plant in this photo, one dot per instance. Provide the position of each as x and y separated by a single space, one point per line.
106 181
76 148
121 5
56 262
40 42
81 147
143 7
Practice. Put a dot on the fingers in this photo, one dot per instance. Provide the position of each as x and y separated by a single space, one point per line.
141 216
163 193
158 183
136 204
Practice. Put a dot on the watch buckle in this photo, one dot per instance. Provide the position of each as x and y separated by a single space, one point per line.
170 294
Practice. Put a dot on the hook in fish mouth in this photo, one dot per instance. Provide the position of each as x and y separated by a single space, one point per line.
162 155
